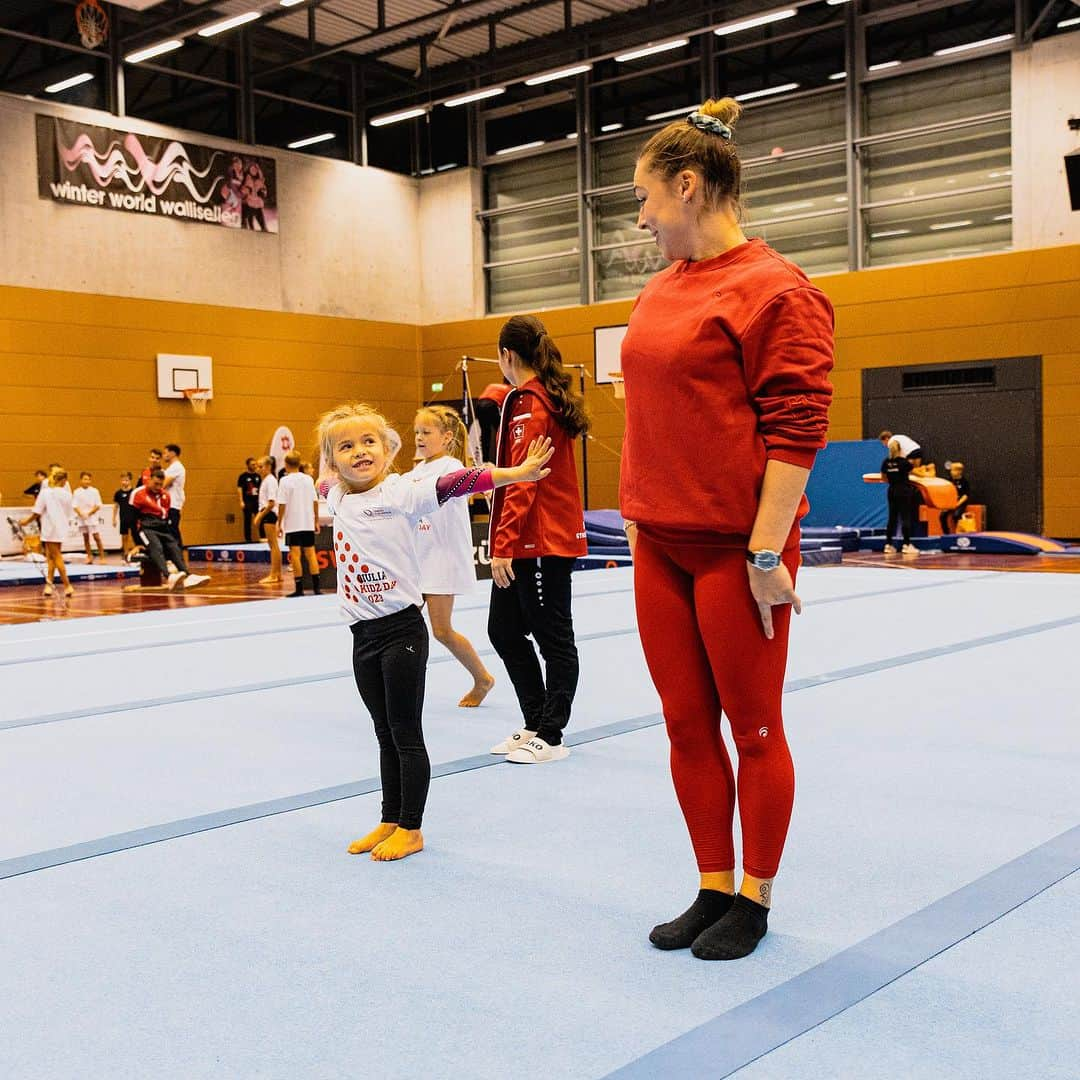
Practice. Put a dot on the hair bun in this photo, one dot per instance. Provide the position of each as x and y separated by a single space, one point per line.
726 110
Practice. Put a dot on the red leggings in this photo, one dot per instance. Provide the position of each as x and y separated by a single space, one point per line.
705 648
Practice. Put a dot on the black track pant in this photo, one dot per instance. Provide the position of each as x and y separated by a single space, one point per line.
538 603
902 508
249 517
161 545
390 662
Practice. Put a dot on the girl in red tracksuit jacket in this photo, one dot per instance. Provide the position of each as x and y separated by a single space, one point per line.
537 532
726 362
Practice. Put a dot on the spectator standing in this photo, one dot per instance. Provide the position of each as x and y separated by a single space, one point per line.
124 517
86 502
175 485
247 484
298 511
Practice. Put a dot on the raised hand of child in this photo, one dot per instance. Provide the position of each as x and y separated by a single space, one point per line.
540 453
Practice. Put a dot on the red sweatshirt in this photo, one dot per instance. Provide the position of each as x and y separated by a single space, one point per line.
151 505
530 520
726 364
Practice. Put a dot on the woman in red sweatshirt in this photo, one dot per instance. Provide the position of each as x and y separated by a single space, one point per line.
726 363
536 536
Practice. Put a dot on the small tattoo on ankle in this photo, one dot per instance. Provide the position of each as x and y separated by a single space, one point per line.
765 892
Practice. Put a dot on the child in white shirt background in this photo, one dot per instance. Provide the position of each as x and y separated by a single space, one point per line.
53 510
444 541
86 501
298 515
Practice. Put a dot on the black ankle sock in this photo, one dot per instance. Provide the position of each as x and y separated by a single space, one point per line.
710 906
736 934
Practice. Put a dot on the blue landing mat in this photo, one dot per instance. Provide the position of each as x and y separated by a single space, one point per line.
18 572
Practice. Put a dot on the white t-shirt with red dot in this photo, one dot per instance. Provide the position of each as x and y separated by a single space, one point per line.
378 571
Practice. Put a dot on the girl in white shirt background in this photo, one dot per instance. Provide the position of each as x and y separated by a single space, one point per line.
375 514
266 520
444 541
54 511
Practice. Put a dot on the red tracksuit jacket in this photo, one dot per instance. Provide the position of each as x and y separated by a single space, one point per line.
545 518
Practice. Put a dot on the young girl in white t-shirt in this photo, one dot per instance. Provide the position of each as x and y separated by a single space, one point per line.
444 541
375 513
54 511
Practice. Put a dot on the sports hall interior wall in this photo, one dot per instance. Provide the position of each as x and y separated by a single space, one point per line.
1021 303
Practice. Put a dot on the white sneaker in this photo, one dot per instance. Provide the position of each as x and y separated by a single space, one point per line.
909 549
192 581
174 580
536 752
888 549
512 742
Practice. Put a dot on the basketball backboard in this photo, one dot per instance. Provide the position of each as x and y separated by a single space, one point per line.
176 373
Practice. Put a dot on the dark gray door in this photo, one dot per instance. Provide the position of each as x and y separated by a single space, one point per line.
985 413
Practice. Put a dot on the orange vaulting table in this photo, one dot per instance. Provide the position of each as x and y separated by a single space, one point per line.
936 491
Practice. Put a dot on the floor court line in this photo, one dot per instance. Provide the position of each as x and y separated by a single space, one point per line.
722 1046
23 864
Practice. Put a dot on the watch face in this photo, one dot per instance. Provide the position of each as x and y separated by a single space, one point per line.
766 560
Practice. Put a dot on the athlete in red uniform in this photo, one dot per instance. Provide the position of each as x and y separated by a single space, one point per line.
537 532
726 364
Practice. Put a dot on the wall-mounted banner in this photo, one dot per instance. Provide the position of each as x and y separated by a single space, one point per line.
143 174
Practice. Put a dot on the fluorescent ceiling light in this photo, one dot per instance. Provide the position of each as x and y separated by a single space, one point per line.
476 95
759 20
651 50
523 146
839 198
571 135
326 136
837 75
610 127
291 3
1068 22
836 3
939 225
883 65
395 117
999 174
443 168
787 207
67 84
973 45
1006 217
152 50
889 232
683 110
229 24
782 89
562 73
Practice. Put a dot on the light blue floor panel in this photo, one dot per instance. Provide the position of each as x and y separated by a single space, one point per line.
516 943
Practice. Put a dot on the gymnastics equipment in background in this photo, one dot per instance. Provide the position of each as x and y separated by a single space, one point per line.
836 490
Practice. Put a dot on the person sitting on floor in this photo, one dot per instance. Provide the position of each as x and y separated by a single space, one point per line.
157 536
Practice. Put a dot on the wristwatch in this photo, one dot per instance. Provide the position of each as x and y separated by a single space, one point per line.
764 559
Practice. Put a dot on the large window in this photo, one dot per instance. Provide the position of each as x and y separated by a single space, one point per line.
851 157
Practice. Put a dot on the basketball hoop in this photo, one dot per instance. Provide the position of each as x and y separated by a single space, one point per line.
199 397
617 384
92 22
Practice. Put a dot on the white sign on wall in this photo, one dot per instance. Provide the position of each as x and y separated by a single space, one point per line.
607 348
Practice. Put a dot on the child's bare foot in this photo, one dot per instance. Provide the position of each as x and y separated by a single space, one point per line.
400 843
481 689
376 836
270 581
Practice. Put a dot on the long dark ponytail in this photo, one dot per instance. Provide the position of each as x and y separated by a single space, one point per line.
526 336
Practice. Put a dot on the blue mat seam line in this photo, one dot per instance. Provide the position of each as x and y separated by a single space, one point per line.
790 687
752 1030
175 642
174 830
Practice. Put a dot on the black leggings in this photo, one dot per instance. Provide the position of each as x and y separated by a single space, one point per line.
537 602
389 662
902 507
160 545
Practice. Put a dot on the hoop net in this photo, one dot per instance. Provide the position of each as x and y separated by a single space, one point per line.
617 384
198 397
92 22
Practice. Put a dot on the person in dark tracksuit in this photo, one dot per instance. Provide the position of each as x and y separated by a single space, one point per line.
903 497
537 533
